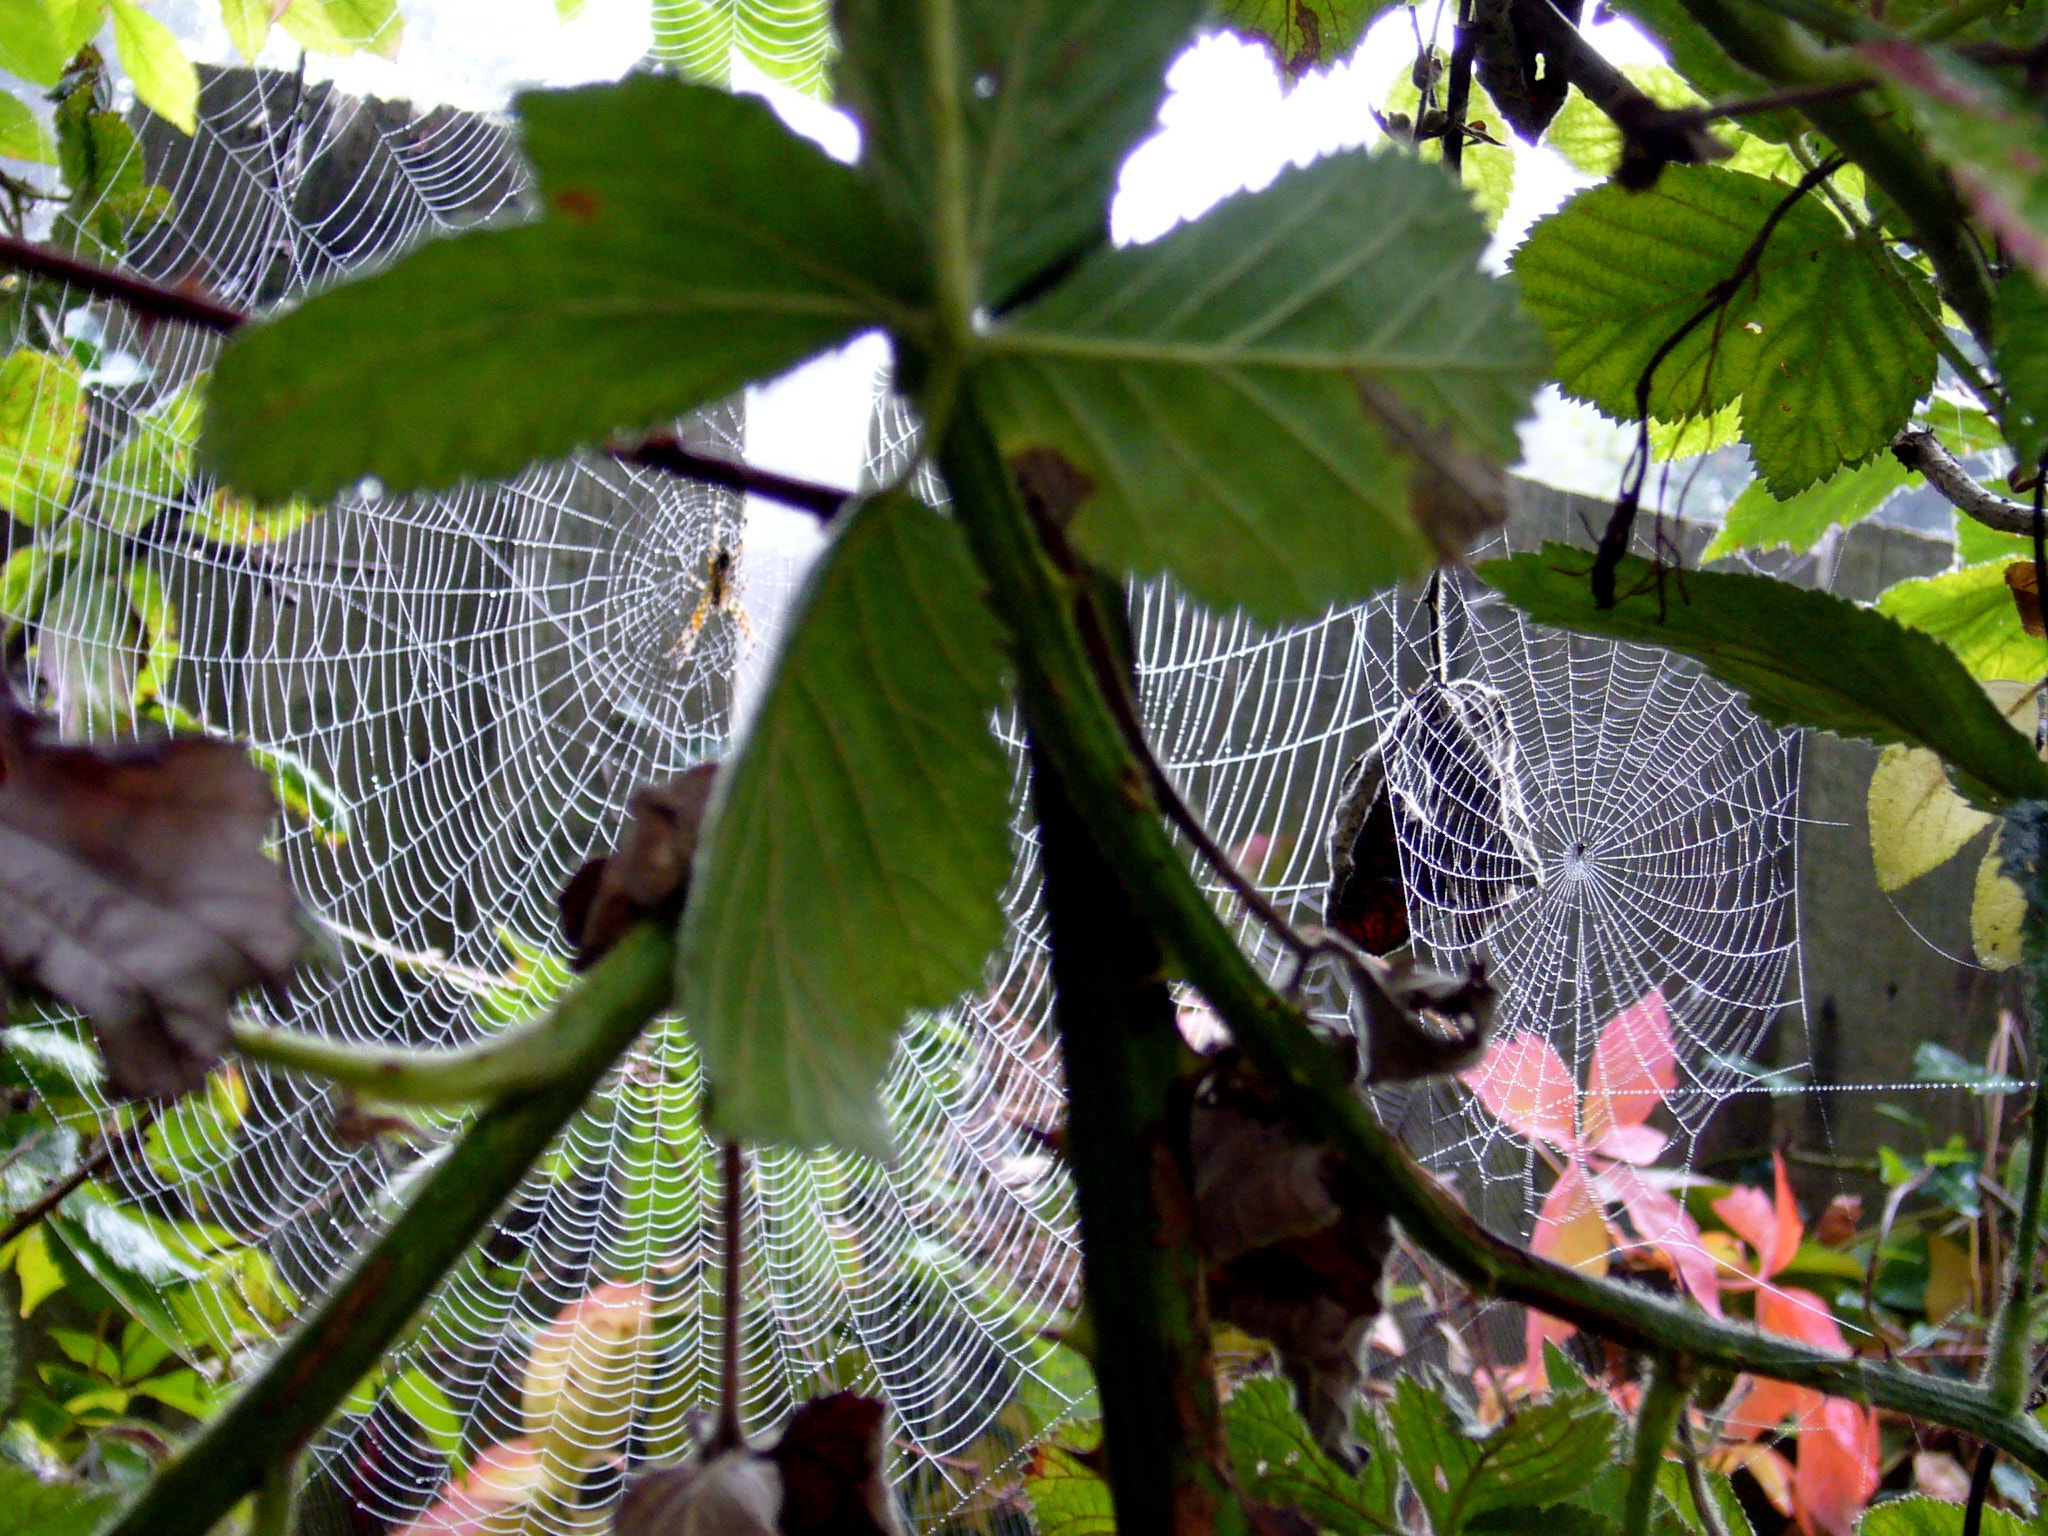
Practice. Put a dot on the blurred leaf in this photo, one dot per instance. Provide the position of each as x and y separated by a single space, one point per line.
1279 434
196 1136
24 581
1696 434
32 1507
123 1257
1938 1064
22 135
1302 34
1759 520
52 1054
1067 1498
164 79
158 617
42 424
655 282
88 657
1588 138
1801 658
1976 544
1972 612
830 901
1997 907
345 26
228 519
1545 1454
1917 1516
1049 99
1917 822
1277 1461
787 40
2020 354
186 1390
422 1398
300 788
248 24
37 1270
38 39
146 473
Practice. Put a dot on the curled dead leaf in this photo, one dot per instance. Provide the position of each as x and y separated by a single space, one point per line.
2025 583
135 889
736 1493
647 874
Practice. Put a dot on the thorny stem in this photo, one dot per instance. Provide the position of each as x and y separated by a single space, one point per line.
2007 1365
276 1413
1664 1403
1077 730
1696 1482
158 302
729 1435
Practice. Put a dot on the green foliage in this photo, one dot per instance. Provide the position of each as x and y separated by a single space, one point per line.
1972 612
1049 101
151 467
1487 170
2021 357
1277 1461
787 42
42 426
31 1507
1208 383
1759 520
1302 34
22 135
859 840
1068 1499
1822 346
164 78
656 282
1918 1516
1801 658
1546 1454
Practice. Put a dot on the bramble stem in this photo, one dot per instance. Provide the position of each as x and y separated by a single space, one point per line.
277 1499
526 1056
1664 1401
2008 1363
1078 733
277 1412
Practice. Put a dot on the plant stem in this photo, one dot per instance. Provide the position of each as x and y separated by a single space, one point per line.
1078 734
2008 1355
277 1499
527 1056
1696 1483
1126 1140
1664 1401
279 1411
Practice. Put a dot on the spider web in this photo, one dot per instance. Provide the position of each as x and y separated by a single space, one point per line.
485 675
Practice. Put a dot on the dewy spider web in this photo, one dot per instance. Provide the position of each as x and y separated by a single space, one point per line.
485 675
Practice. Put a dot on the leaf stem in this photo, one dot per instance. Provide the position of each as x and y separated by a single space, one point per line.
1077 731
524 1057
1664 1403
1696 1482
278 1411
2008 1353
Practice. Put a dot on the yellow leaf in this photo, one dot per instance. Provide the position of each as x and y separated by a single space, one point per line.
164 79
39 1274
1995 915
585 1375
1949 1278
1917 823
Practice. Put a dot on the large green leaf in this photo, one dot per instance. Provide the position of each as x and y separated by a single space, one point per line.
22 134
31 1507
1225 388
787 40
1543 1455
2021 355
1759 520
1972 612
997 128
143 475
1821 343
1919 1516
1302 34
42 425
692 243
1067 1497
39 37
1277 1461
345 26
1802 658
858 841
164 79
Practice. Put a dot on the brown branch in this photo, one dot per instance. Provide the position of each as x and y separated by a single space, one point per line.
155 301
1919 449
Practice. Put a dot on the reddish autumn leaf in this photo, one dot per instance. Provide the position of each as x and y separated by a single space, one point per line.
1770 1226
1838 1468
1570 1227
134 888
1527 1086
1662 1222
1634 1066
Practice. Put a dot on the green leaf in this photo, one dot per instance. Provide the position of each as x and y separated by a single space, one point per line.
1705 64
22 134
38 39
24 581
1614 273
421 1397
248 24
1588 138
1759 520
196 1136
1973 613
858 841
1044 102
1918 1516
1557 1520
1241 398
345 26
42 424
87 653
31 1507
1976 544
1541 1456
1801 657
228 519
1067 1498
787 40
164 79
1302 34
124 1258
146 473
158 617
1693 435
56 1061
1278 1461
1486 170
692 244
2020 353
185 1390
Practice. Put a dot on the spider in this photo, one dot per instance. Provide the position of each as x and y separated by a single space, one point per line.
720 594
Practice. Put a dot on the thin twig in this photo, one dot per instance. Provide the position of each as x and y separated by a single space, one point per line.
159 302
729 1436
67 1186
1919 449
1980 1489
1696 1482
1458 90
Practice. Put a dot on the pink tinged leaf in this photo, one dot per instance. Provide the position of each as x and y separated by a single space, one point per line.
1770 1227
1790 1229
1633 1068
1768 1404
1837 1470
1636 1144
1662 1221
1570 1227
502 1477
1795 1314
1525 1084
1533 1375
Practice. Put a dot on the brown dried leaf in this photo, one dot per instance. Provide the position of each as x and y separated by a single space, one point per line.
134 888
736 1493
647 875
831 1458
2026 596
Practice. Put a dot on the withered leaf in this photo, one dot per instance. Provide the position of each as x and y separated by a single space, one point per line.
736 1493
134 888
647 874
2026 596
1367 901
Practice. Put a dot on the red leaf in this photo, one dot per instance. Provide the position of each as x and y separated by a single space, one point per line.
1795 1314
1525 1083
1771 1227
1661 1220
1570 1227
1837 1470
1633 1068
